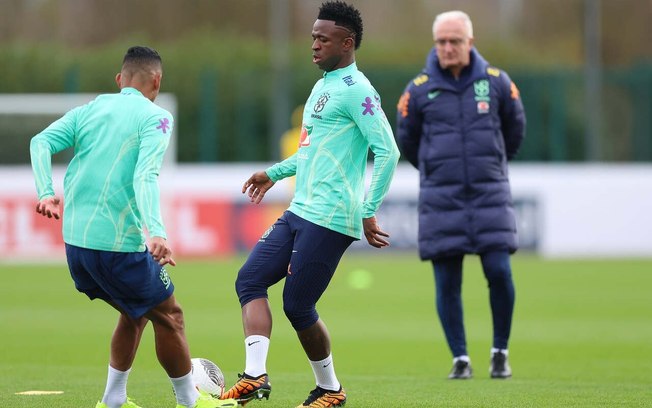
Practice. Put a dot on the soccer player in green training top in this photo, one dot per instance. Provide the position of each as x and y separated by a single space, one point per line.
110 191
342 120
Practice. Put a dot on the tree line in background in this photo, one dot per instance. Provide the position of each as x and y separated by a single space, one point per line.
217 62
528 32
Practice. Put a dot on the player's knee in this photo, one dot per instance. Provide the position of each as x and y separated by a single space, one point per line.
248 291
169 315
300 316
172 320
176 318
240 286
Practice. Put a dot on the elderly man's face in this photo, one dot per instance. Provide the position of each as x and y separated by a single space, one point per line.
453 44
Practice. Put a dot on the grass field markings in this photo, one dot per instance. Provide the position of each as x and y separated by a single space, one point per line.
39 392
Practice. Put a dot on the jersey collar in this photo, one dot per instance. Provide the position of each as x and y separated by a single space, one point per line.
341 72
130 91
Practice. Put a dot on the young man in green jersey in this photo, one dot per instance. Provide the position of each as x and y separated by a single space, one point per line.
110 191
342 120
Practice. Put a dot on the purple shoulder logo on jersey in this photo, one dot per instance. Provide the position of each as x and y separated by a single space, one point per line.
369 106
164 125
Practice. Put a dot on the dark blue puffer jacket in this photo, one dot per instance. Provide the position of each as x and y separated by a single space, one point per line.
459 134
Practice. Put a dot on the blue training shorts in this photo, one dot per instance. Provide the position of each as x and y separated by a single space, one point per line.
132 280
303 253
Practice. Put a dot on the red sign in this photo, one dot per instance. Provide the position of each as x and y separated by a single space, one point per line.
196 227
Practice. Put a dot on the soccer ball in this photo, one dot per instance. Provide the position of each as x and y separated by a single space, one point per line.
207 376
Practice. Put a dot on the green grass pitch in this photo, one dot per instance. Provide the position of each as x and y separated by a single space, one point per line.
582 336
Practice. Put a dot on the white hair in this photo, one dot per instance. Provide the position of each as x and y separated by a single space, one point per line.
454 15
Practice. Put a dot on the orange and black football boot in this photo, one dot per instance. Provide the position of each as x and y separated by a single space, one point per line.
248 388
321 398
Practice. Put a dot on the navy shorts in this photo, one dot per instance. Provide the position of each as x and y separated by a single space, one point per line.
132 280
303 253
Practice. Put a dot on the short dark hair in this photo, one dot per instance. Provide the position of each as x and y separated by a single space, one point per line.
139 56
344 15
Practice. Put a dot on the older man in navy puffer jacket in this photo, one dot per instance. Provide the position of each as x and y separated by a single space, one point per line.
459 122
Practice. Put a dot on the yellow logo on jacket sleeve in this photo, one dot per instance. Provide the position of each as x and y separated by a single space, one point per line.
420 80
493 71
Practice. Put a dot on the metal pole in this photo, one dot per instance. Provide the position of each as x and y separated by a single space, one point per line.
279 109
592 78
208 121
509 13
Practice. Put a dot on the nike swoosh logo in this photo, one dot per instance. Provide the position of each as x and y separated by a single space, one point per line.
253 342
326 365
433 95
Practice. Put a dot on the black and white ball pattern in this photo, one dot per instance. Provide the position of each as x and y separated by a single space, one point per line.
207 376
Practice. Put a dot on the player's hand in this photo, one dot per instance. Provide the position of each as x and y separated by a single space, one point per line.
161 252
257 186
374 234
49 207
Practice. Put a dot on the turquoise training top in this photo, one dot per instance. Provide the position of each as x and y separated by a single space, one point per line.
110 186
342 120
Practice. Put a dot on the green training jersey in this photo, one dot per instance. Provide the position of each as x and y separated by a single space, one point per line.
110 186
342 120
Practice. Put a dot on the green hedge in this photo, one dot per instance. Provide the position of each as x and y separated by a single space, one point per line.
222 82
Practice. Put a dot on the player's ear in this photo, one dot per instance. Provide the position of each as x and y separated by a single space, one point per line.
118 76
156 81
349 43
